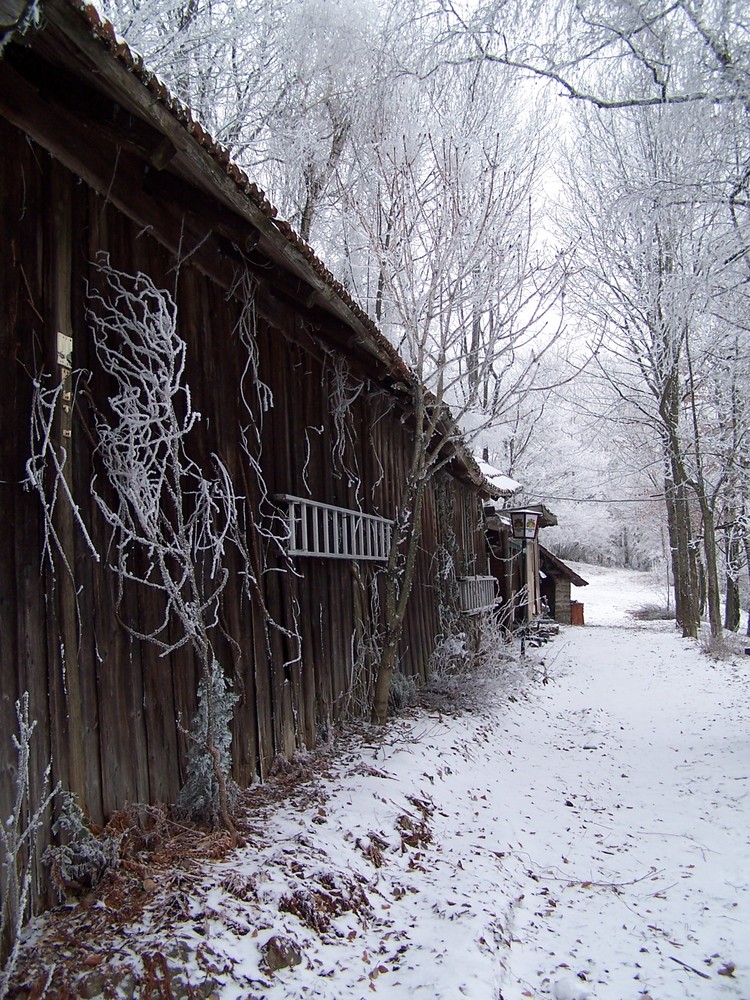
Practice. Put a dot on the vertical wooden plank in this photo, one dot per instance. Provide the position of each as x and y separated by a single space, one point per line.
299 725
305 588
122 735
61 344
257 675
239 617
276 467
16 338
85 563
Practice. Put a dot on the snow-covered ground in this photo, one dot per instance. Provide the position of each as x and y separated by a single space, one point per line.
589 838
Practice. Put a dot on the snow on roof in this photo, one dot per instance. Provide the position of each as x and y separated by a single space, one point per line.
502 482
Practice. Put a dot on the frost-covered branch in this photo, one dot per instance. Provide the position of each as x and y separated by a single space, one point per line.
18 838
45 471
171 523
343 394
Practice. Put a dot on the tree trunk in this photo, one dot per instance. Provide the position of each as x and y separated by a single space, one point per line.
712 572
732 609
399 580
673 547
732 604
684 566
678 513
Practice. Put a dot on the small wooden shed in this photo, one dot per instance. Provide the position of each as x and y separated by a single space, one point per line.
556 581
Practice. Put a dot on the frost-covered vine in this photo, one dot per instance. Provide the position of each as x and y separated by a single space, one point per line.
342 396
246 331
45 470
308 450
386 411
18 840
171 523
269 526
366 645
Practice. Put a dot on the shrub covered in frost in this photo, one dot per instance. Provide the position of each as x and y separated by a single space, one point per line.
403 692
212 747
83 859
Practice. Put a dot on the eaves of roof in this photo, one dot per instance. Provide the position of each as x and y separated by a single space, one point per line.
279 240
561 568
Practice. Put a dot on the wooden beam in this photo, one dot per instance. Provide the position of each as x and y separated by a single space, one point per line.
60 292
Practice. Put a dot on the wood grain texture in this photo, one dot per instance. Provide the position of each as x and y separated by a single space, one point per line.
111 709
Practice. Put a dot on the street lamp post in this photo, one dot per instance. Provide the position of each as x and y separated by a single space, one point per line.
524 524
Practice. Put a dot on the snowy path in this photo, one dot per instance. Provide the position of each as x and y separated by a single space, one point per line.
588 839
585 841
638 780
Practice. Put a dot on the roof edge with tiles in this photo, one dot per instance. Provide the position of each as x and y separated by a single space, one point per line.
104 32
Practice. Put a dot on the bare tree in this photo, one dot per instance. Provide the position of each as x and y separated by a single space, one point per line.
658 258
445 216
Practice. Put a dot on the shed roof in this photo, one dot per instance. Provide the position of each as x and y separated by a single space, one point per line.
74 37
505 485
556 567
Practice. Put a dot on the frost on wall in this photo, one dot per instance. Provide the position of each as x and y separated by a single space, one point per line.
171 523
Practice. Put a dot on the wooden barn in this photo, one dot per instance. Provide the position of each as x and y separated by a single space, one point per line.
164 335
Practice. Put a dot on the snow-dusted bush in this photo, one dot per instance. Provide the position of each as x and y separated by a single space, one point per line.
497 659
450 656
82 860
654 613
717 648
469 669
200 794
403 692
19 834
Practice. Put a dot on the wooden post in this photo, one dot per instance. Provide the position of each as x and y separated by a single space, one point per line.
61 253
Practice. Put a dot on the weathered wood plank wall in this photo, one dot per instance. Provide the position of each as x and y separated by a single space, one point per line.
107 703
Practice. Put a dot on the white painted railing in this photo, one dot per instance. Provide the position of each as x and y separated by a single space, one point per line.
321 530
476 593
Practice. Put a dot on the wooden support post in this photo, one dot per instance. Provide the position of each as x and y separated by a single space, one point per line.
61 252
